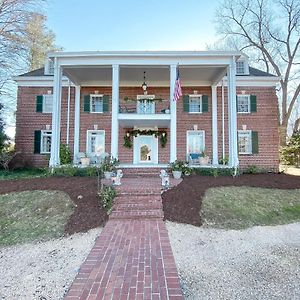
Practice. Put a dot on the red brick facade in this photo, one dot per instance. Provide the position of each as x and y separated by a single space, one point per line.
264 121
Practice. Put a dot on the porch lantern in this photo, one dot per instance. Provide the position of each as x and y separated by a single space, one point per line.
144 85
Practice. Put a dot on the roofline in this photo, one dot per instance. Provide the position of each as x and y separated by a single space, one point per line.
143 54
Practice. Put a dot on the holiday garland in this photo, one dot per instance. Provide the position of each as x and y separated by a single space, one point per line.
128 138
127 99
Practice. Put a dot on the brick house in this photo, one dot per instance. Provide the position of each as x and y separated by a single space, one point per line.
122 103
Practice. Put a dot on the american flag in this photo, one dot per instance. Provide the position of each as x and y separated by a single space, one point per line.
177 89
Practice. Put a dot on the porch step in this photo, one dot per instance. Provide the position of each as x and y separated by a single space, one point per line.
137 214
156 198
141 172
137 206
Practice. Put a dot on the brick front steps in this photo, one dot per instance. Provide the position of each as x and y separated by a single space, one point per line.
132 258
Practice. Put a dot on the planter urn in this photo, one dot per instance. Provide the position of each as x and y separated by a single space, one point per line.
177 174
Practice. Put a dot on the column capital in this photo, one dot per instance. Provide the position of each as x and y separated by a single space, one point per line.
116 66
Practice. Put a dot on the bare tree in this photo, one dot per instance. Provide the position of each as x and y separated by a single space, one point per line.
39 40
269 30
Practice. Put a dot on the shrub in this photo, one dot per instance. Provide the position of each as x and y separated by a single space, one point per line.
70 170
251 170
290 154
215 171
109 164
65 154
178 165
107 195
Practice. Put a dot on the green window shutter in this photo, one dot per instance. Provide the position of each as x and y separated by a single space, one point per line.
204 103
39 103
37 141
105 103
254 135
186 104
86 103
253 103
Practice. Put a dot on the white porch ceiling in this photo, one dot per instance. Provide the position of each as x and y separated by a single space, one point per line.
133 75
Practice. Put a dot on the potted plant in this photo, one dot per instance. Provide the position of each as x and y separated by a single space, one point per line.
109 166
204 159
177 168
85 160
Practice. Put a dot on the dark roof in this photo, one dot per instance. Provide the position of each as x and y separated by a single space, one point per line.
37 72
257 72
252 72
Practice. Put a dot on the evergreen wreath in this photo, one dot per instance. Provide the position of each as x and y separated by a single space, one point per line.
128 138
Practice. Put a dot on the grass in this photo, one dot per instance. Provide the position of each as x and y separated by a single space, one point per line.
33 215
242 207
22 174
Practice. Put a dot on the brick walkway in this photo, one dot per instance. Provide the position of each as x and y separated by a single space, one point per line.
132 258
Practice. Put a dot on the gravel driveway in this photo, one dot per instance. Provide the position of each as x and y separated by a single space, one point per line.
43 270
257 263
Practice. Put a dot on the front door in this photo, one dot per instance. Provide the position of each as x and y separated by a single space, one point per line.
145 149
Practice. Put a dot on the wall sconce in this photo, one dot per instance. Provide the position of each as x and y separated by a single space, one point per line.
144 85
128 134
48 127
243 92
244 127
95 127
96 92
195 92
49 92
195 126
163 134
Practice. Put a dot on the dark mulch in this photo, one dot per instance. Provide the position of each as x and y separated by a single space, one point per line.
182 204
88 213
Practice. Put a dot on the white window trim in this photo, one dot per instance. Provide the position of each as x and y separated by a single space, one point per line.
201 108
88 132
246 67
47 112
187 135
249 104
45 132
91 97
250 134
145 97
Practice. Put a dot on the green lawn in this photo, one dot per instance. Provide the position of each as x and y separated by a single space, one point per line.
22 174
242 207
33 215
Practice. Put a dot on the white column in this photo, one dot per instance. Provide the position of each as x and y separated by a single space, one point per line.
214 102
76 123
115 111
173 111
232 115
55 140
68 112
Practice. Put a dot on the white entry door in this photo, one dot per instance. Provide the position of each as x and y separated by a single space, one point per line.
145 150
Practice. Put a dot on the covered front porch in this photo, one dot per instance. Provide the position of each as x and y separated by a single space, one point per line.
119 79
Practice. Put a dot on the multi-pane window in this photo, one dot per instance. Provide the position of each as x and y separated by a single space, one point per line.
95 142
47 103
195 104
243 103
46 136
245 141
240 67
145 104
195 142
96 103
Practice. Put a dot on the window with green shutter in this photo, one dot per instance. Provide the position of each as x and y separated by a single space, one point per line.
86 103
253 105
186 105
39 103
105 103
204 103
37 141
255 145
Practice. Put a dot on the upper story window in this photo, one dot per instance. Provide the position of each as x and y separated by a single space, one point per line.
243 103
49 67
44 103
145 104
242 67
195 103
96 103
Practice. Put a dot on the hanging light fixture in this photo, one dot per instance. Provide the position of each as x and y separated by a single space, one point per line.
144 85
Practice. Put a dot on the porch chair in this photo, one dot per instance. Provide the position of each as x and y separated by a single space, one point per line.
194 158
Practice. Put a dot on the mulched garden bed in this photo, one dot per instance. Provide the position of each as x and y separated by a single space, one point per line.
88 213
182 203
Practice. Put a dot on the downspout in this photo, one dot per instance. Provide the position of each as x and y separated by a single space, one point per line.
223 122
68 112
